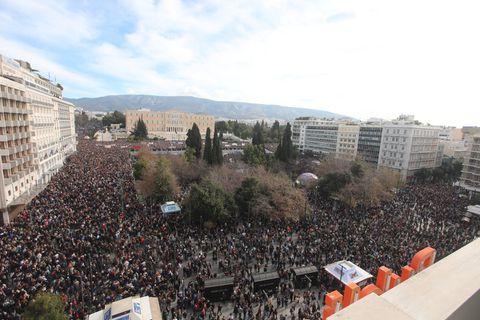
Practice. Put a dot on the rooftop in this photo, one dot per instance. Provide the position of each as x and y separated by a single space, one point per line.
449 289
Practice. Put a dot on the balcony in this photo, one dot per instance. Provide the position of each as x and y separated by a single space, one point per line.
11 96
468 171
7 151
13 123
7 137
470 163
7 166
14 110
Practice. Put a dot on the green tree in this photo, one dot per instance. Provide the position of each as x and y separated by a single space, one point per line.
114 118
207 151
456 169
45 306
254 155
217 153
275 132
140 131
81 120
422 175
221 126
189 154
139 168
356 170
208 202
285 150
194 140
87 126
438 174
257 137
165 186
332 183
247 194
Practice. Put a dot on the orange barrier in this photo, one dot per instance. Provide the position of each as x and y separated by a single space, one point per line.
351 294
386 280
407 273
395 280
371 288
383 278
423 259
333 303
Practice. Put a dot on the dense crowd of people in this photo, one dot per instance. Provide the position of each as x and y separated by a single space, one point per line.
89 239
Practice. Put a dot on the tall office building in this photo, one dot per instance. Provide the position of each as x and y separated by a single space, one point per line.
169 125
37 133
337 138
369 141
408 146
470 179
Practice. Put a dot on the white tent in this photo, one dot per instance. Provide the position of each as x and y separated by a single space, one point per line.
170 207
347 272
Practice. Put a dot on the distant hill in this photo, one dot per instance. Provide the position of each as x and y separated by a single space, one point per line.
219 109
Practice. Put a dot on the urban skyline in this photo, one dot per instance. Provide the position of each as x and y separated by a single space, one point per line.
127 223
374 59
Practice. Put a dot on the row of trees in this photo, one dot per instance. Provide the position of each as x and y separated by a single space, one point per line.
212 150
89 126
156 181
225 194
217 194
139 131
450 170
355 184
255 155
271 134
115 117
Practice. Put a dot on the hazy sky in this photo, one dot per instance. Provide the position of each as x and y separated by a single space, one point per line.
368 58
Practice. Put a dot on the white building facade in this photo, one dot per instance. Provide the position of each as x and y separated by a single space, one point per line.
408 147
470 178
337 138
40 127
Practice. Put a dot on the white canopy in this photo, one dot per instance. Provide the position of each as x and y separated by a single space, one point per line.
347 272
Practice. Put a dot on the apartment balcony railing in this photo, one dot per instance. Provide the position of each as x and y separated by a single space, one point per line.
7 137
15 110
11 96
7 151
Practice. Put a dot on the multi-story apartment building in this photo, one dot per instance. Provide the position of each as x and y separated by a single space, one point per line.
452 143
369 141
169 125
407 147
469 132
470 179
450 134
327 136
37 132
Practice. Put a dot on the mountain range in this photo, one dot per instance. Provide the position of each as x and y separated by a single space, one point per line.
219 109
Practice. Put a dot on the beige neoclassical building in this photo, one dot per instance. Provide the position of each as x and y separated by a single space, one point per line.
169 125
